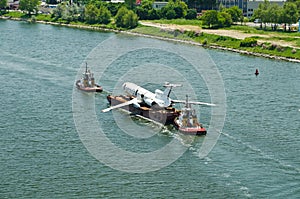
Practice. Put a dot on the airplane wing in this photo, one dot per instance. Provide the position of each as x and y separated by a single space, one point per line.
133 101
191 102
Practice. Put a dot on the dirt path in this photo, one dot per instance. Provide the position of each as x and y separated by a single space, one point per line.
230 33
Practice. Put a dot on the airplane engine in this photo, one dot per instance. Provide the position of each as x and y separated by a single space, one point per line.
149 102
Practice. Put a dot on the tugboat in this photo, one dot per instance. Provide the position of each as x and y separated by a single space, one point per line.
87 82
187 122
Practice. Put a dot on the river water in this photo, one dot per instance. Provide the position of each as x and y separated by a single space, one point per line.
43 155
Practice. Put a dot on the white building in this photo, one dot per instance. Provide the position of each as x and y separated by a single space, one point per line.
159 5
253 5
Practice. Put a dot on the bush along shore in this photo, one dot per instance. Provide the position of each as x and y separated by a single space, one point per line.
248 46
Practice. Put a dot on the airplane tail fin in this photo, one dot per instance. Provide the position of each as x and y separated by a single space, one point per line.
169 87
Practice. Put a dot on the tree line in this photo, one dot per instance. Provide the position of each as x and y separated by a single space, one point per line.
275 14
127 15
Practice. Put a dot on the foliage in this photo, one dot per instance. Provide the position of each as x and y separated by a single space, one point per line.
170 14
130 4
215 19
248 42
174 10
126 18
210 18
191 14
70 13
194 22
272 13
113 8
119 16
290 13
236 14
58 11
91 14
104 16
224 19
146 11
3 4
129 20
97 15
29 5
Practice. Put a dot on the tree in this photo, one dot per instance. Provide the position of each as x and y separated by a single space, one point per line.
71 13
58 11
121 12
113 8
274 12
210 18
153 14
262 12
178 7
130 20
289 14
171 14
29 5
126 18
104 15
91 13
236 14
146 11
3 4
130 3
224 19
297 2
191 14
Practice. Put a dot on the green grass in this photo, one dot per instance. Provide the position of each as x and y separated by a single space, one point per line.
43 17
15 14
194 22
212 39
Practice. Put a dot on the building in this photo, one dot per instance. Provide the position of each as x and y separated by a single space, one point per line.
13 4
242 4
247 6
253 5
159 5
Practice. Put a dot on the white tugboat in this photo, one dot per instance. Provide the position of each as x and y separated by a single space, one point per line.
87 82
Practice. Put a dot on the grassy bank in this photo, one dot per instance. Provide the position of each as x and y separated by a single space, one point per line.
223 41
198 37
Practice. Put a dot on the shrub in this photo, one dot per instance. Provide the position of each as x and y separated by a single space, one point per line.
221 38
191 14
126 18
248 42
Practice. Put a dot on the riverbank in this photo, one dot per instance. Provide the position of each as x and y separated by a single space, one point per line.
170 36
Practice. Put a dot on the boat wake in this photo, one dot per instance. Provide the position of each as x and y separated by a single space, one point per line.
262 153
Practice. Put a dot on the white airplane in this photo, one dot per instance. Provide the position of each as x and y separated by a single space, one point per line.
141 95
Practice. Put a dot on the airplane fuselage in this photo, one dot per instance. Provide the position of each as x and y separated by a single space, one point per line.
146 96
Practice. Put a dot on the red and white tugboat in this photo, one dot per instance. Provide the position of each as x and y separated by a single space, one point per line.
87 82
187 122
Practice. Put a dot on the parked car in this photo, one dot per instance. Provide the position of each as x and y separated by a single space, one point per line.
257 21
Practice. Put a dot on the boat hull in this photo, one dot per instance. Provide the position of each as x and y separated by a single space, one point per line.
96 88
193 130
163 116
